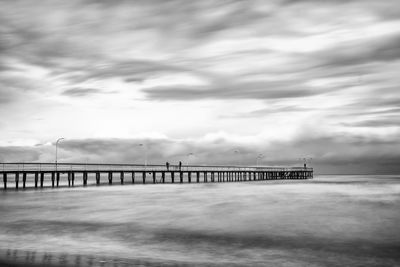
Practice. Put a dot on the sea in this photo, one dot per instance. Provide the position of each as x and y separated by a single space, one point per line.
331 220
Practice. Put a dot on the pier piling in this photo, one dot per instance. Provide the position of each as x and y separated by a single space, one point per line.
97 178
110 178
16 180
24 180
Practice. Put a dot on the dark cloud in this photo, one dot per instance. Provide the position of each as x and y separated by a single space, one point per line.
380 122
19 154
244 90
78 92
268 111
384 49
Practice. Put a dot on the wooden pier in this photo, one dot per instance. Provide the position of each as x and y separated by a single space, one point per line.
39 175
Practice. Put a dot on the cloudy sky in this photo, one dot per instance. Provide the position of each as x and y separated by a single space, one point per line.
285 79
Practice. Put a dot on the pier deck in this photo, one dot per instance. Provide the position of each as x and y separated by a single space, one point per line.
34 175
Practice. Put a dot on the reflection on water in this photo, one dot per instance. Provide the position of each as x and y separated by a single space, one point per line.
328 221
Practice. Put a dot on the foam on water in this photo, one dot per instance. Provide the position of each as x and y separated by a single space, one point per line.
328 221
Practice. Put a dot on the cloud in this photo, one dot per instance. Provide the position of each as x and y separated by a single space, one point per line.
232 90
78 92
384 49
386 121
19 154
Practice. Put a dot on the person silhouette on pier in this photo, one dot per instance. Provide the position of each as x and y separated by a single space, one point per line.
180 165
167 164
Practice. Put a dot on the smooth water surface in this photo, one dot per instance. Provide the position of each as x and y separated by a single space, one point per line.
327 221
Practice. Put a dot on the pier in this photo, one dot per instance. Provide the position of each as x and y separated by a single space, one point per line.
40 175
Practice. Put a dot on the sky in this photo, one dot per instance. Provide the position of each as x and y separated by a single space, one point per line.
203 82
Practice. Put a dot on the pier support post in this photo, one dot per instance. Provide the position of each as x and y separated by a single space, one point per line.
173 177
133 177
205 177
53 179
16 180
73 178
154 177
58 178
189 176
24 180
84 178
41 179
163 177
181 176
121 176
110 178
212 177
97 178
69 178
144 177
197 177
5 180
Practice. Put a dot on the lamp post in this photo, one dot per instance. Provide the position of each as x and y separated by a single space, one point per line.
145 154
239 162
260 156
187 160
58 140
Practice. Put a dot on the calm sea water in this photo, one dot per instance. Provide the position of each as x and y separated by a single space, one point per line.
327 221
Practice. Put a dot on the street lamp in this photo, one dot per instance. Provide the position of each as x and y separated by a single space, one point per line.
260 156
145 154
239 162
187 160
58 140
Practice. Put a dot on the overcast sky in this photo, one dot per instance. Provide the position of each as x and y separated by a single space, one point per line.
286 79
